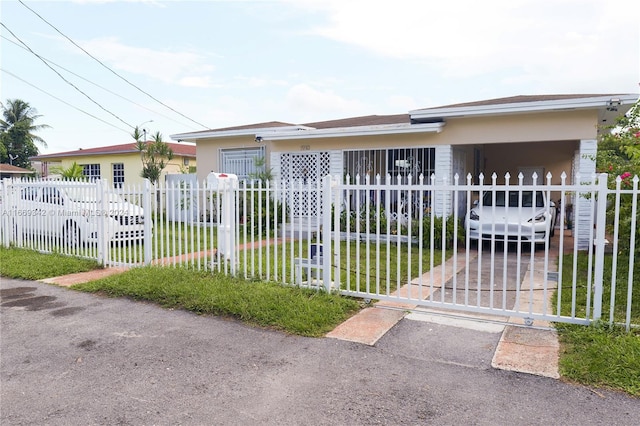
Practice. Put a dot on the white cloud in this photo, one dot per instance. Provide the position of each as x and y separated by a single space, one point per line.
309 103
185 68
403 103
562 40
256 82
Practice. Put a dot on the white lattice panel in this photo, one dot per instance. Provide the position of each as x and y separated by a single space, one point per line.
302 172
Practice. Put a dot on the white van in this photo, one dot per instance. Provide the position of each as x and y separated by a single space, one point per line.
74 213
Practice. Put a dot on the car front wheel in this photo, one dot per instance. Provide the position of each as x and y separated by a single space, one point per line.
71 235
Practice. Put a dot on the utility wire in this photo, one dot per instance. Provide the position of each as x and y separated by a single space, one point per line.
97 85
62 77
64 102
109 69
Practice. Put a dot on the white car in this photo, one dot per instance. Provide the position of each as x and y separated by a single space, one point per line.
74 213
516 215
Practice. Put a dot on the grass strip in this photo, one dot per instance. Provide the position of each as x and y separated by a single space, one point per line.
32 265
290 309
601 356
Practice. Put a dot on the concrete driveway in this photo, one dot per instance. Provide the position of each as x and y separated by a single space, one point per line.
70 358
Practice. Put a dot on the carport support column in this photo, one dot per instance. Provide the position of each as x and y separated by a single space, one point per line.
586 167
443 171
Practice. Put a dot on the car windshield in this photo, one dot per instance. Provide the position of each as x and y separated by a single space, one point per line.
512 198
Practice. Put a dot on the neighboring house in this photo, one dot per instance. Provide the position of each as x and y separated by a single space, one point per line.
119 164
10 171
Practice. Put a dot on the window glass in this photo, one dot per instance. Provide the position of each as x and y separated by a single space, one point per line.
91 171
118 175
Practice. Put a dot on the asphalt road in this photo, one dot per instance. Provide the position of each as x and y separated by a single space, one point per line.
69 358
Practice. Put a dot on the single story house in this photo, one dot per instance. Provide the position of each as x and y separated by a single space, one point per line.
540 133
119 164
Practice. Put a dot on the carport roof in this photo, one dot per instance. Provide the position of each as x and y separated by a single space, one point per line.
608 105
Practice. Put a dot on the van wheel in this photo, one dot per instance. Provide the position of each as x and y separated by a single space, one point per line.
71 235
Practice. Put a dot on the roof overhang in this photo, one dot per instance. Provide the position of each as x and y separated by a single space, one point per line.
610 106
193 137
340 132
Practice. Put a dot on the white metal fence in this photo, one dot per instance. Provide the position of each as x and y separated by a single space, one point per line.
372 238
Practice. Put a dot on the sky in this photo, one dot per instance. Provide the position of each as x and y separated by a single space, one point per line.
95 69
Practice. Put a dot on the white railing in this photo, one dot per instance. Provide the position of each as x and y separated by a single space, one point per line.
372 238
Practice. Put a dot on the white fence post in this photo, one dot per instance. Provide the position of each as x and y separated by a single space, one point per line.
7 211
601 219
226 186
148 220
101 201
327 198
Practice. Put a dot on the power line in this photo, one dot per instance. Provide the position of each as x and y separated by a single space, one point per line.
109 69
62 77
97 85
64 102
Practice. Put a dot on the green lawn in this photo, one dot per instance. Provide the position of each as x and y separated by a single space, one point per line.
367 275
601 355
289 309
32 265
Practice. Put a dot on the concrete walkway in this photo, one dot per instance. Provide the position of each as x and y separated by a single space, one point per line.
521 349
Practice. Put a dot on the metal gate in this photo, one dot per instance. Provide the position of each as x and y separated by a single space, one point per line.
434 262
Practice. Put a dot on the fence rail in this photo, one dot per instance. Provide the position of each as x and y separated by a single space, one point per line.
421 244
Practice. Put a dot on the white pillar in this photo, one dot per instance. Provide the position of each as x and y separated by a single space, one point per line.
443 173
585 167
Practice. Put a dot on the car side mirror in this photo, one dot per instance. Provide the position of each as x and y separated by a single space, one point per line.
475 203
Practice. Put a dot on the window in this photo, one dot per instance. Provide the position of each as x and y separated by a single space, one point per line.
118 174
241 162
91 171
397 161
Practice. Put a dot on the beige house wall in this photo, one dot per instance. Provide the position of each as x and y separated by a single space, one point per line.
555 157
489 142
538 127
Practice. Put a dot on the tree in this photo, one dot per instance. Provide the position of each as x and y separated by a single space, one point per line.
619 156
17 133
73 172
155 155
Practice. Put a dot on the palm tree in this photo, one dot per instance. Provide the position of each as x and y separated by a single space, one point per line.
17 132
73 172
155 155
